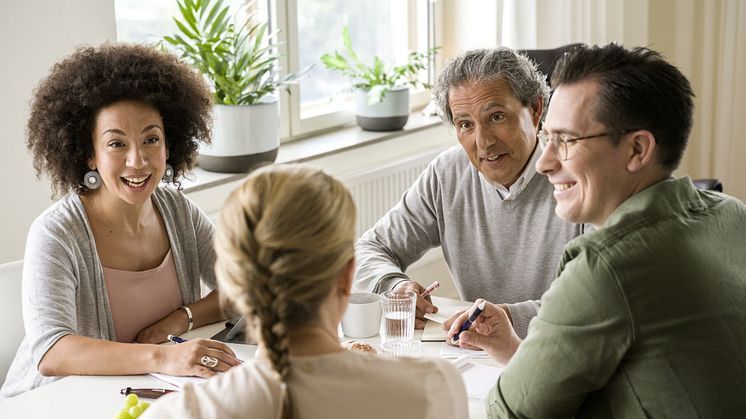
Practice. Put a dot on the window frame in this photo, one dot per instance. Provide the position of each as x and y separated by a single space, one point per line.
282 21
283 18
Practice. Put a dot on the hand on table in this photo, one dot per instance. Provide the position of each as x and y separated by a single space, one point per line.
175 324
424 304
184 359
491 332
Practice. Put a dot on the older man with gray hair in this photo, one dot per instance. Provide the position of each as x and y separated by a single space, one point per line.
481 202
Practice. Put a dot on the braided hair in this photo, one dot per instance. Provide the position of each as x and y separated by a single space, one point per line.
283 238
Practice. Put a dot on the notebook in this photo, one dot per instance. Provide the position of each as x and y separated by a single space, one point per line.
447 307
433 332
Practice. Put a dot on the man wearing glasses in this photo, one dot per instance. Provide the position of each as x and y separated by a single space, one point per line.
482 202
646 317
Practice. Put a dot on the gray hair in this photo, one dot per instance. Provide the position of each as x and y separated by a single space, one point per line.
489 65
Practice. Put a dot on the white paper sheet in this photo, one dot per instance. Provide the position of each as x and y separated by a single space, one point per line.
479 379
177 381
445 311
433 331
450 352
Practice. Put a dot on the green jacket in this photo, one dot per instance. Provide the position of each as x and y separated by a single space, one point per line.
647 317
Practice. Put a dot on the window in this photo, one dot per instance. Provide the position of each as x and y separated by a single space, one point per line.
307 29
149 20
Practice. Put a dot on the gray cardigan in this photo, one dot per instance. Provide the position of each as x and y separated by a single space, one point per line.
505 251
64 292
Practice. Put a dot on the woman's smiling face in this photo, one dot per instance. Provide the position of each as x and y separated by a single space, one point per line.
129 151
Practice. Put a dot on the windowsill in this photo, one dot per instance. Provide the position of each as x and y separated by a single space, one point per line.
317 146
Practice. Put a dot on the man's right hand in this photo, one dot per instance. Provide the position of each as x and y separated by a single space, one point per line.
424 304
491 332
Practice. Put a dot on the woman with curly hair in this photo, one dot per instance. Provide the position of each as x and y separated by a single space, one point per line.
114 266
285 246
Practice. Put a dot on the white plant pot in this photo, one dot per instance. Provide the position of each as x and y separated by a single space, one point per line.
243 136
390 114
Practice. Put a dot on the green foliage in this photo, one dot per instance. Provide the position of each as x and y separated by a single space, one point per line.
239 61
379 77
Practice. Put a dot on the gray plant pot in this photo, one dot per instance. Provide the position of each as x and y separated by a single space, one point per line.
391 114
243 137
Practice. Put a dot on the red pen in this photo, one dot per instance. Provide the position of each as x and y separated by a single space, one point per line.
429 290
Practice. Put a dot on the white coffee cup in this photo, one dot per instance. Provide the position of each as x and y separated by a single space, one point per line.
363 316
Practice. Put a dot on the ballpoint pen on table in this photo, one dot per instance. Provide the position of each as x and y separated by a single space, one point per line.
430 289
472 318
147 393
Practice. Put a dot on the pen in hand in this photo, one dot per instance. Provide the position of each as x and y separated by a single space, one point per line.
430 289
176 339
467 324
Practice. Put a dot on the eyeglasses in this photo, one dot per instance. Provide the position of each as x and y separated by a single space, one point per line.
560 142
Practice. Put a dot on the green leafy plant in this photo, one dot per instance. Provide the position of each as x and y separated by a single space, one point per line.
379 77
239 61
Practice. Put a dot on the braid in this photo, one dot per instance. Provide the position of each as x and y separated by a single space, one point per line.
284 237
273 328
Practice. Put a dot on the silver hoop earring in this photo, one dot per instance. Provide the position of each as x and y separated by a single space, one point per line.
168 175
92 179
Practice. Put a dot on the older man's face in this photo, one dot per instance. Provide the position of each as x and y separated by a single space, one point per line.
497 132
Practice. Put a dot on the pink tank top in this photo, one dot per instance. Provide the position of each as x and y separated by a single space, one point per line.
139 299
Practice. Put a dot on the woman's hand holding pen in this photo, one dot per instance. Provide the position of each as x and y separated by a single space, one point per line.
185 359
424 304
174 324
491 331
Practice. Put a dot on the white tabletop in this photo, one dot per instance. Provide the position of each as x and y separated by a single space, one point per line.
97 397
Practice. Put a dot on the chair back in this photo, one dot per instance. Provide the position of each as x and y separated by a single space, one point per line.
708 184
545 58
11 315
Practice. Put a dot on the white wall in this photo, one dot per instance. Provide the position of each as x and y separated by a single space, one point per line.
35 34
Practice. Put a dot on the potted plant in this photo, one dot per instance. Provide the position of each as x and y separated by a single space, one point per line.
240 63
381 91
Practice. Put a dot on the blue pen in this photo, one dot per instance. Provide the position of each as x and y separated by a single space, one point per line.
472 318
176 339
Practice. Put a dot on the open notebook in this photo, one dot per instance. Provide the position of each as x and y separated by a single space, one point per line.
433 331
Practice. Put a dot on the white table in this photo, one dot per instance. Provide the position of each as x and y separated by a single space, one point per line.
97 397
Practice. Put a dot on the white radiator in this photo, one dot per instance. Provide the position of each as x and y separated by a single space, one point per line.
377 189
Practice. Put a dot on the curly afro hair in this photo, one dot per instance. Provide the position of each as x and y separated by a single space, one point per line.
66 103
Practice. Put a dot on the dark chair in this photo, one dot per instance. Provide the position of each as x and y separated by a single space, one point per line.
708 184
545 58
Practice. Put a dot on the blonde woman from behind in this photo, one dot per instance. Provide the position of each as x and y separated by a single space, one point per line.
286 259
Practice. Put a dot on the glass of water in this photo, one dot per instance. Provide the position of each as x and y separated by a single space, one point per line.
398 328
